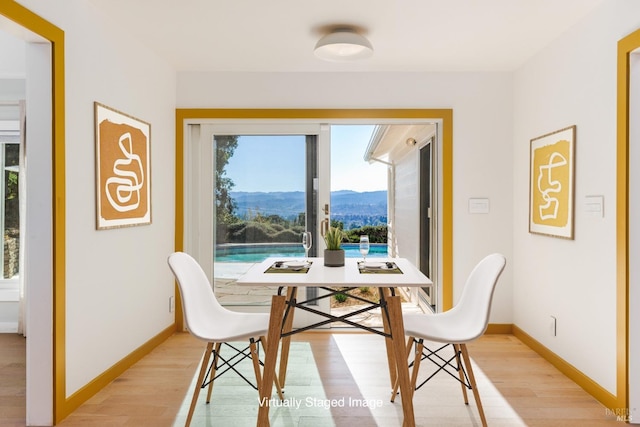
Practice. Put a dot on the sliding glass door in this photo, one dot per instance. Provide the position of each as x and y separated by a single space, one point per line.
260 207
253 190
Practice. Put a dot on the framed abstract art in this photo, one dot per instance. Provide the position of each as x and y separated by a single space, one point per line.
551 187
123 186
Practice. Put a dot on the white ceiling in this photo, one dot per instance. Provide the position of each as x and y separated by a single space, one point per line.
407 35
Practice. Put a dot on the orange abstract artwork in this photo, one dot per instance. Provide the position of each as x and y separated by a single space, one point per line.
122 168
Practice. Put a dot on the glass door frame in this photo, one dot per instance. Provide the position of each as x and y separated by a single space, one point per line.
442 117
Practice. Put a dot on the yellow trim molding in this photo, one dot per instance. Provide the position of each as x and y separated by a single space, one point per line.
444 115
567 369
625 46
102 380
499 328
29 20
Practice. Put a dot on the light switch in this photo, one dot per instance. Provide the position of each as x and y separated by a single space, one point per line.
594 206
478 206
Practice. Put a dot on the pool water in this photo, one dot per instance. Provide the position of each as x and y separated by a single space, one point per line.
258 253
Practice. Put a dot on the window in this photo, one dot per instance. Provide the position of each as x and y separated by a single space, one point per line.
10 198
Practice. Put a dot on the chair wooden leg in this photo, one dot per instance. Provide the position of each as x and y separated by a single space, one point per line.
216 352
456 348
253 349
393 375
285 342
270 356
416 363
472 381
394 392
396 326
201 375
276 381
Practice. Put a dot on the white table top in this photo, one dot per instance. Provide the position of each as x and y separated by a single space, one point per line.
347 276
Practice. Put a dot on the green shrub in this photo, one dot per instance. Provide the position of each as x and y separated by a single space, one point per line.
253 232
286 236
236 227
340 297
376 233
277 227
298 229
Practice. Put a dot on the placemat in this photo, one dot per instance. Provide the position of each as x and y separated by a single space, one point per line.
389 268
281 267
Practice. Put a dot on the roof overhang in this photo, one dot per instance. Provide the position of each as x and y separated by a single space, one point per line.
391 142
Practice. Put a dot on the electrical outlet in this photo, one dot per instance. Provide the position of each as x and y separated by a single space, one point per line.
172 304
552 326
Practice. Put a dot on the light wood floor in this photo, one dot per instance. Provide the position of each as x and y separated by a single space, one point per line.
12 379
518 388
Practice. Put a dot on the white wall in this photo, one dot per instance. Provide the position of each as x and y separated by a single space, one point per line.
482 133
117 281
38 239
13 57
573 82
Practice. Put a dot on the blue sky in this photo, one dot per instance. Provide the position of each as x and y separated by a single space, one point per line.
276 163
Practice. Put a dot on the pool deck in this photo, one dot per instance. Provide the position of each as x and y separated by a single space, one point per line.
226 274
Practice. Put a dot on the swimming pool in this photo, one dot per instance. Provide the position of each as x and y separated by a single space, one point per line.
258 252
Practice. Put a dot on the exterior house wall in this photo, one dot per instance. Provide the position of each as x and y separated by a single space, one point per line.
407 208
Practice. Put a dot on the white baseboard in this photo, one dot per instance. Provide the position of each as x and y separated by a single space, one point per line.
9 295
8 327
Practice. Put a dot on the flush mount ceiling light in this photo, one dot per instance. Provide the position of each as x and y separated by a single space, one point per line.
343 45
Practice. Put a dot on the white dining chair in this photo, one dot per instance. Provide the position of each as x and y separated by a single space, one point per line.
462 324
209 321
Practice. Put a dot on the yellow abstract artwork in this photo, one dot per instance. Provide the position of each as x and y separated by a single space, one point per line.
551 184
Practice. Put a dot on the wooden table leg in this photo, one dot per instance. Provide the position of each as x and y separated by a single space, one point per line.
391 360
286 341
270 358
400 352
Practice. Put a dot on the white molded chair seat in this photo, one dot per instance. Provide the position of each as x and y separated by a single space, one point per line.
209 321
464 323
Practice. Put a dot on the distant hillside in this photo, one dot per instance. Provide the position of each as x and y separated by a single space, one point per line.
347 202
353 208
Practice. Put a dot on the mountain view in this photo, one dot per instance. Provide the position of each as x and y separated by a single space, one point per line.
353 209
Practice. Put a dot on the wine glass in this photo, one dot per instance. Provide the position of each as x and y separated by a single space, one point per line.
364 247
306 243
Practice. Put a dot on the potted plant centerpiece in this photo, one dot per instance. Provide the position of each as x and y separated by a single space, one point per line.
334 254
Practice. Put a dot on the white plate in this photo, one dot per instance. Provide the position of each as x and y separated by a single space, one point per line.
295 264
374 265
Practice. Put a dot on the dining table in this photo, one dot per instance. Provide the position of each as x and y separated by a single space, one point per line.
287 274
